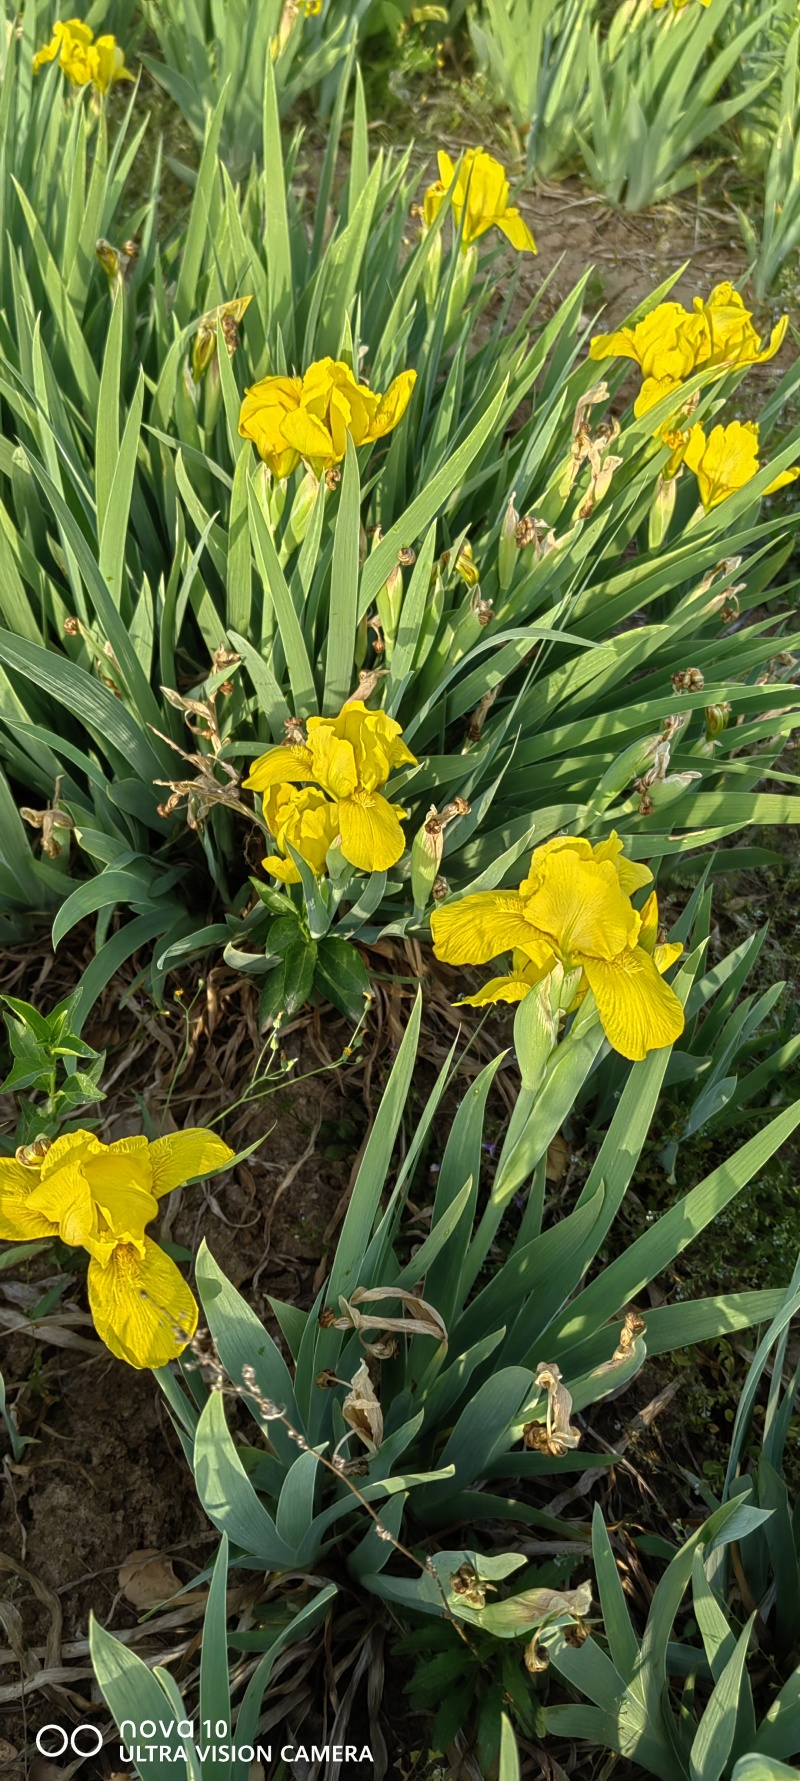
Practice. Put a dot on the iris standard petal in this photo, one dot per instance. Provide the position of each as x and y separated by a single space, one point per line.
579 903
108 63
96 1194
445 166
341 421
665 955
78 63
648 932
141 1305
631 874
392 405
64 1198
69 1147
432 203
638 1011
77 30
559 844
306 434
364 731
399 754
334 763
285 870
121 1186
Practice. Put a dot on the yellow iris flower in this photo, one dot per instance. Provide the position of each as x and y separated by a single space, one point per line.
82 57
726 460
573 908
482 187
309 417
678 5
305 818
100 1197
350 758
672 342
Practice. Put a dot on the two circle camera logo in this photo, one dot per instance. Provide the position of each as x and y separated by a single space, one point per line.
53 1740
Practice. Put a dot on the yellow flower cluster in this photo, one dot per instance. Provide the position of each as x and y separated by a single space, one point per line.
574 908
309 417
672 342
100 1197
480 194
83 58
347 760
678 5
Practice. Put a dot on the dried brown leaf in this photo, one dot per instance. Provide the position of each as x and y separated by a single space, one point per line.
147 1578
557 1158
424 1319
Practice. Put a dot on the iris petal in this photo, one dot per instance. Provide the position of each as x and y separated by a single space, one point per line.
18 1220
279 765
141 1305
516 230
372 838
638 1011
186 1156
498 989
580 904
478 928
